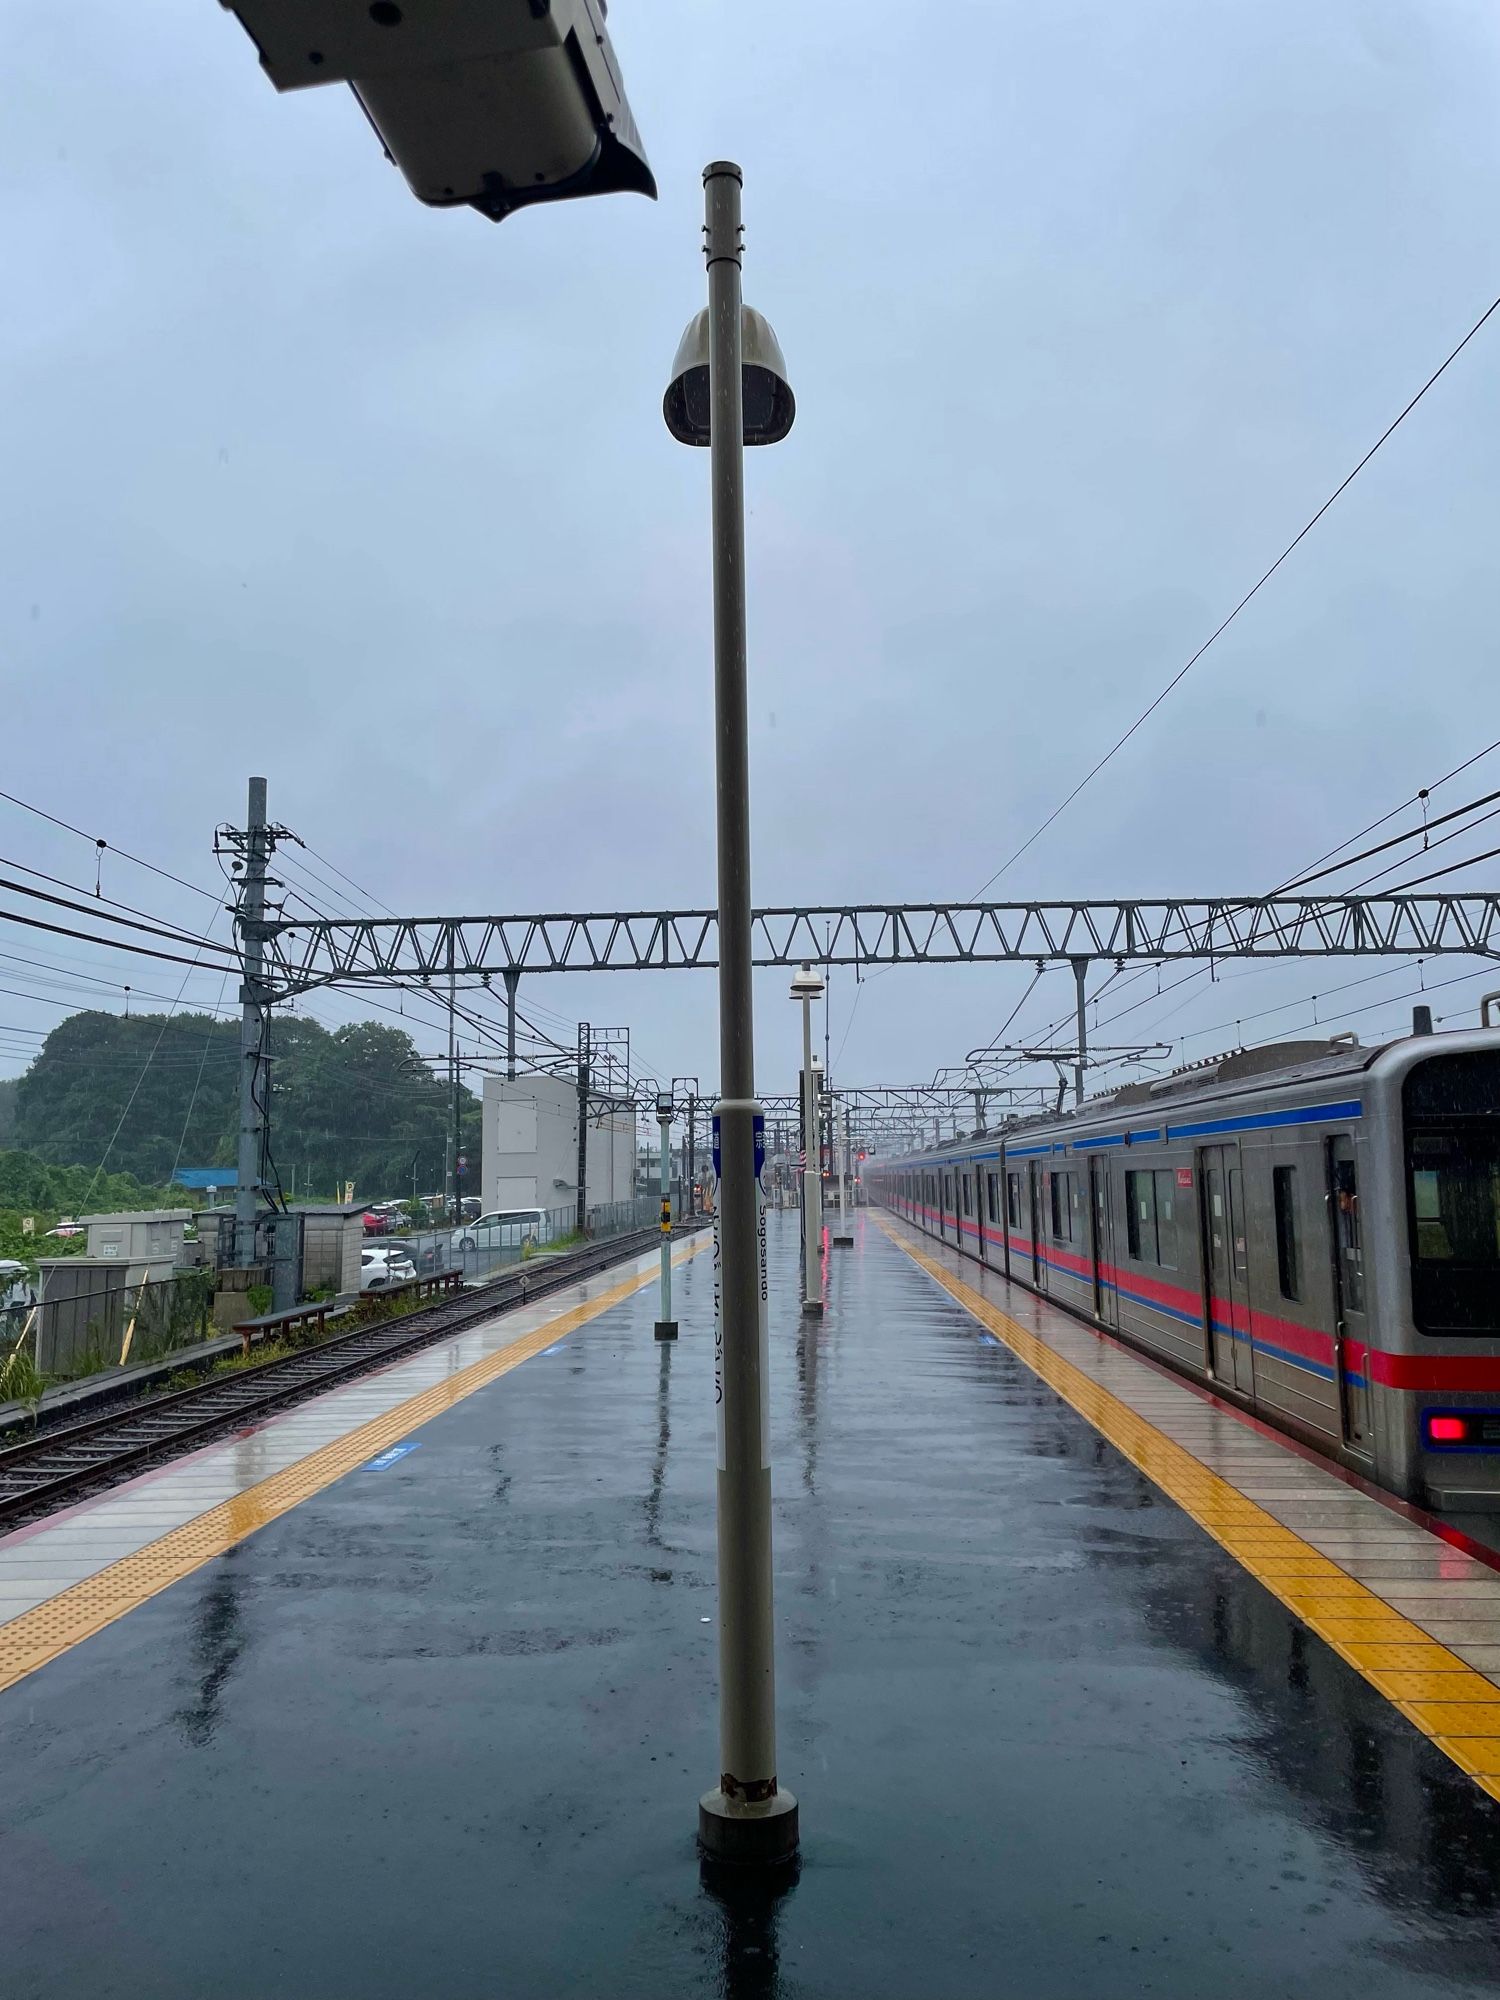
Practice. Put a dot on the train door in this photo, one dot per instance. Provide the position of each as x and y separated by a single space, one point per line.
1034 1219
1351 1331
1106 1299
1226 1289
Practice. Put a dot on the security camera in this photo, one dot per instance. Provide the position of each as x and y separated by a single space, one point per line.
493 103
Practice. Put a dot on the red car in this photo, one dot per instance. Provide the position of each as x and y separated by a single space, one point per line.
377 1223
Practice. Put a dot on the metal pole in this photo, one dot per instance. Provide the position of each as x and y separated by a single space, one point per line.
746 1817
583 1128
512 980
812 1177
666 1326
253 1096
458 1191
692 1156
1080 975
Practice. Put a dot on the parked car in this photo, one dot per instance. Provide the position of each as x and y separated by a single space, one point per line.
69 1229
382 1265
425 1254
379 1221
505 1229
16 1288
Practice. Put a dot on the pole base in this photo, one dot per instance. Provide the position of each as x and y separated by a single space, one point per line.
758 1836
666 1329
812 1308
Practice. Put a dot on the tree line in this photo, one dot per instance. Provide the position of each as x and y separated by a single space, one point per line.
152 1093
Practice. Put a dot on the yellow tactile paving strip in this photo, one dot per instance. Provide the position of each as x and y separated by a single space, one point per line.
1447 1700
34 1637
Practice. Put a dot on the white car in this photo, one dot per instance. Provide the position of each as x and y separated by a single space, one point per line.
379 1268
15 1288
504 1229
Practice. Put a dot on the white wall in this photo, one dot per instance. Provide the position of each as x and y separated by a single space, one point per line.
529 1154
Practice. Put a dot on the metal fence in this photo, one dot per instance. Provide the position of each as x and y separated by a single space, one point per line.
480 1252
109 1323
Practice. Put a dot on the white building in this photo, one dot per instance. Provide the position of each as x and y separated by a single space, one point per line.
529 1154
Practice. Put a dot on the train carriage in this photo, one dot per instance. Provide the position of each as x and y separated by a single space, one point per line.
1312 1229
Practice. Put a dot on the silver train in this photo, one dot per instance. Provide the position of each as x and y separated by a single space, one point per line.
1312 1229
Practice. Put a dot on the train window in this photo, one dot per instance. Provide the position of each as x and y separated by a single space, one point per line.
992 1190
1062 1206
1455 1229
1166 1224
1013 1200
1239 1247
1346 1232
1284 1196
1140 1216
963 1181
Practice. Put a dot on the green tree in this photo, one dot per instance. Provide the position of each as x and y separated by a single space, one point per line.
155 1092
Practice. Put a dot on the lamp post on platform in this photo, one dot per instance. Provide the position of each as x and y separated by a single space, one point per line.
729 389
807 986
666 1326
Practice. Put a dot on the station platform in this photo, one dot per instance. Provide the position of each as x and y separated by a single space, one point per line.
412 1689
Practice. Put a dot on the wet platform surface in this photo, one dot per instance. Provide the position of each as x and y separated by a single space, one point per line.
441 1728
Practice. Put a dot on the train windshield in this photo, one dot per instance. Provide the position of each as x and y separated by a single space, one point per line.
1452 1106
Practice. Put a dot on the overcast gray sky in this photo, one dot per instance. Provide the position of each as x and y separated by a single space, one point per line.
1087 306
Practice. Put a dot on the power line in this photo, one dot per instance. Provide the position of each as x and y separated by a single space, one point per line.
101 847
1415 799
112 944
1397 840
1183 672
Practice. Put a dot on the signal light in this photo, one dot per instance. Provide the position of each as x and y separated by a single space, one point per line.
1447 1430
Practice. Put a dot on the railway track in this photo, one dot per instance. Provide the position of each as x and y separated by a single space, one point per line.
58 1465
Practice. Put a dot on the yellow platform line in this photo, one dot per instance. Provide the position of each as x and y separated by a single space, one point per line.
33 1638
1455 1707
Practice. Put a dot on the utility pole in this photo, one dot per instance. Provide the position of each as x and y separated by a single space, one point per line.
252 848
457 1193
512 978
1081 1054
583 1128
685 1092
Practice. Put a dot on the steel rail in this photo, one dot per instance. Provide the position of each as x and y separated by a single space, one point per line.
56 1465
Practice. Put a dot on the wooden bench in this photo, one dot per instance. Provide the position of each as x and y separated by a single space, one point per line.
267 1324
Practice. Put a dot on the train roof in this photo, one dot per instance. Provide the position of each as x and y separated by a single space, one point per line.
1276 1064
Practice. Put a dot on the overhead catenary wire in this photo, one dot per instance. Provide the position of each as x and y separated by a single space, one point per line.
102 846
1264 578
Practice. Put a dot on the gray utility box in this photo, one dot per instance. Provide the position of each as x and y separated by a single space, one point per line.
151 1235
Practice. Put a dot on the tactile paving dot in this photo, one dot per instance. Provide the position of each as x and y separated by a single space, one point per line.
1354 1620
34 1637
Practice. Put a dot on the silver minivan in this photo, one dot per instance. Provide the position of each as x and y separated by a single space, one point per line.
504 1229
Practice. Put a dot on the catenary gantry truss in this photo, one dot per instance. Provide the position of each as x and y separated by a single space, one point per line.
405 951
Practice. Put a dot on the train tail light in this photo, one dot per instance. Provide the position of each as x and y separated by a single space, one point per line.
1447 1430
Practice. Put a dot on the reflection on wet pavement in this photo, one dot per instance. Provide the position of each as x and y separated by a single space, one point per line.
442 1728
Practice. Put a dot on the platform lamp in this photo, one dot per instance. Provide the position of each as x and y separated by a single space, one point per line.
729 389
